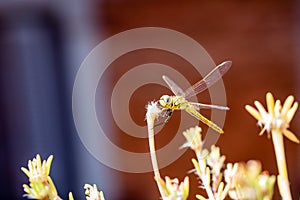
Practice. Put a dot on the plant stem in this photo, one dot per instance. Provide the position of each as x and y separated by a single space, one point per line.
150 117
282 179
153 152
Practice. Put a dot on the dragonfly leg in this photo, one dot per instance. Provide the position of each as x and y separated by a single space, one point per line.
167 113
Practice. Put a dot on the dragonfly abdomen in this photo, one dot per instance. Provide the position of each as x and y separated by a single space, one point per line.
192 111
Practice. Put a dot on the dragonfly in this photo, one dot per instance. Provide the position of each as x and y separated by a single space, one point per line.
179 100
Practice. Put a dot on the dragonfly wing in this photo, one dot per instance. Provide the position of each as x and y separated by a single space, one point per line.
208 80
198 106
192 111
173 86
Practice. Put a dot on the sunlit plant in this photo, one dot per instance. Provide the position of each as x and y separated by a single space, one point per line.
276 120
235 180
42 187
220 180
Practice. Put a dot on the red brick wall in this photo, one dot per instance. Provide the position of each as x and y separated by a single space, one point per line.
260 39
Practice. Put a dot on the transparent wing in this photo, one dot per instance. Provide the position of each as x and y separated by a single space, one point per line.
173 86
208 80
199 106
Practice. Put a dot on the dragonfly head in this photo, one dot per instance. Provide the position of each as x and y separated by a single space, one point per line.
165 101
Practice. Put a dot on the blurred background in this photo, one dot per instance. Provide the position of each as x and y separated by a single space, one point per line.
43 43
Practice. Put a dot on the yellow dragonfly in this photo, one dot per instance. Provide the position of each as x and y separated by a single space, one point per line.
179 101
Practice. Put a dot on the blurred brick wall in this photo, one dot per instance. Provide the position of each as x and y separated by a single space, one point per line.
259 37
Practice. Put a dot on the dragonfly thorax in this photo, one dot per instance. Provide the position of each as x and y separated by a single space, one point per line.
171 102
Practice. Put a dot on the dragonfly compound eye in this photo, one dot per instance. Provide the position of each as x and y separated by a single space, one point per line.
165 100
168 100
